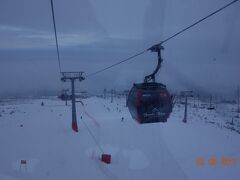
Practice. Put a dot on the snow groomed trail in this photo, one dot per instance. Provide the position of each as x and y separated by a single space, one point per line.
42 136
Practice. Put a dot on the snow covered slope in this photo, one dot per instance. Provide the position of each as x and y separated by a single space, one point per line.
42 136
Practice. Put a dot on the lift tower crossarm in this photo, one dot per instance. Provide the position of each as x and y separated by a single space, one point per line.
72 75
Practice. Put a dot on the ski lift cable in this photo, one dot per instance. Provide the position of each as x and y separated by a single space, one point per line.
120 62
164 41
199 21
56 38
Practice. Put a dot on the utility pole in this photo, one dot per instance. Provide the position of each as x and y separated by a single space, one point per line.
111 95
210 103
114 93
72 76
185 111
186 94
195 101
198 97
238 108
104 93
216 101
211 107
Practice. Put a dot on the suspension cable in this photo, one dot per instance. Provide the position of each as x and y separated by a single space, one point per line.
199 21
56 37
167 39
120 62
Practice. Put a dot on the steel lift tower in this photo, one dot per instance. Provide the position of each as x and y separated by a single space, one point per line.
186 94
72 76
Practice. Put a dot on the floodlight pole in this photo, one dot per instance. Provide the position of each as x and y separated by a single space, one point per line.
72 76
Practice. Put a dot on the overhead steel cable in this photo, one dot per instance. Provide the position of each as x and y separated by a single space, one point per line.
56 37
120 62
167 39
197 22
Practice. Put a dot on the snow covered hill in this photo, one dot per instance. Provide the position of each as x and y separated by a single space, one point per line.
203 148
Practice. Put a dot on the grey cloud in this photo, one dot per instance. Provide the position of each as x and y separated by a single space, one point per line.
94 34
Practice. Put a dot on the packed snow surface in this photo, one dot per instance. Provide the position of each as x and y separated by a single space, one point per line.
42 136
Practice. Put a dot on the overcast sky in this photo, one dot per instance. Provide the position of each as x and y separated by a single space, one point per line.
96 33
